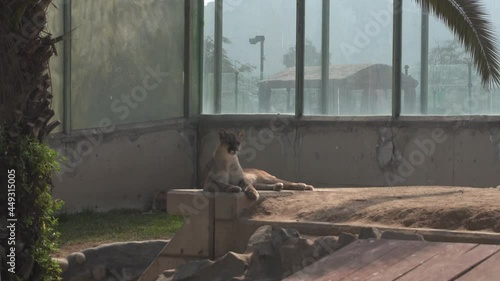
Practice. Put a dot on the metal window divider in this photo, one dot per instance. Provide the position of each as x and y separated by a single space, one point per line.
299 61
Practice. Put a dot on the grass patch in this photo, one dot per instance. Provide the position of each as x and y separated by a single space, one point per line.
115 226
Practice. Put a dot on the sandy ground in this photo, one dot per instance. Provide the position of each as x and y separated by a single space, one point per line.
439 207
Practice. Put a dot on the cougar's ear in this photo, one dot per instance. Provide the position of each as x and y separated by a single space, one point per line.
222 133
241 134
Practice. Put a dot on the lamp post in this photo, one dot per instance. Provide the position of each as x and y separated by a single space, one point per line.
255 40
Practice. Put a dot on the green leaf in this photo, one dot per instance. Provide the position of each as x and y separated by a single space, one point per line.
468 20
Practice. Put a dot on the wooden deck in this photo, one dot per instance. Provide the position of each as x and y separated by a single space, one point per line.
383 260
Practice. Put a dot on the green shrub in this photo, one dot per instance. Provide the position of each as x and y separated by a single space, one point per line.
36 238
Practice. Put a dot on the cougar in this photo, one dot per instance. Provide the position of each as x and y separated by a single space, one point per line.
224 173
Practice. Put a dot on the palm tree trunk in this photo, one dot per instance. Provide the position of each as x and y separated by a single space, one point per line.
25 96
25 113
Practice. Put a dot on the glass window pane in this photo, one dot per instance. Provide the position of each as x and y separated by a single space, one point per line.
493 103
55 27
313 100
208 57
454 87
410 92
257 77
361 57
127 61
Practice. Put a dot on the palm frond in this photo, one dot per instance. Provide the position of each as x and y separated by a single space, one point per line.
470 23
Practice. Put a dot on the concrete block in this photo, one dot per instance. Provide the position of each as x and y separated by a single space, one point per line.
186 202
229 206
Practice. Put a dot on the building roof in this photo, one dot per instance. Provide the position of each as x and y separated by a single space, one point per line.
375 76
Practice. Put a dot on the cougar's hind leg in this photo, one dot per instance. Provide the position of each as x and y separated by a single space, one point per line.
269 186
309 187
297 186
278 186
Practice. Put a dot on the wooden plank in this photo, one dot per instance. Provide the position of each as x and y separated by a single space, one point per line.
347 260
465 262
426 252
485 271
387 260
337 259
450 264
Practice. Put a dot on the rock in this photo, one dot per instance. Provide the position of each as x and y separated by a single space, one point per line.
99 272
63 263
298 255
78 257
161 277
122 261
346 239
369 233
190 269
272 254
496 228
325 245
83 276
267 240
268 245
263 233
229 266
125 273
169 273
263 249
281 236
392 235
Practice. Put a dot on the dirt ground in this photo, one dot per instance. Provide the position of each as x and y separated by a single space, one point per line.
438 207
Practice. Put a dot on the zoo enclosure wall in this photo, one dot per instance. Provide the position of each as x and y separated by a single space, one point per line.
123 145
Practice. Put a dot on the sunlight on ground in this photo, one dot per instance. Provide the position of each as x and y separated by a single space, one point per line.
89 229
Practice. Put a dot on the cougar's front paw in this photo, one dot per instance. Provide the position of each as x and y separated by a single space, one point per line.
278 187
252 193
309 187
234 189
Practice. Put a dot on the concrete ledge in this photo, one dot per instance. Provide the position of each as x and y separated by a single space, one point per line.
228 206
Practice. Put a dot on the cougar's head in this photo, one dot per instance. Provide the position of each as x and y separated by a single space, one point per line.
231 140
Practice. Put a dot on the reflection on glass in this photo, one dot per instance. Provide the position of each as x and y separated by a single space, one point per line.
127 61
360 76
208 58
313 99
257 36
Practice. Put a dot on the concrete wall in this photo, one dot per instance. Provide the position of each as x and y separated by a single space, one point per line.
366 151
123 167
